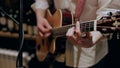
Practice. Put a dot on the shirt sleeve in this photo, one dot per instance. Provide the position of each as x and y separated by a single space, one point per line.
41 4
106 6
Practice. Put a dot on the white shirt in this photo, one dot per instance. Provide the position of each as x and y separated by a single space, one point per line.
93 9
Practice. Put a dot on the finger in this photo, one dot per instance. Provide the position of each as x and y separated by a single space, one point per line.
83 40
47 34
44 26
70 35
48 26
82 43
41 34
88 35
86 38
96 36
70 32
77 30
88 44
84 35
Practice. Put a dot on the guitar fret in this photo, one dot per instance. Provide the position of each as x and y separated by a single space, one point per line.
91 26
88 26
82 27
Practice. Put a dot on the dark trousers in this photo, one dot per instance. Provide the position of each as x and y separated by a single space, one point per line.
112 59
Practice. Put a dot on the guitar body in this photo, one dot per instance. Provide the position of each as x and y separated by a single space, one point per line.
58 19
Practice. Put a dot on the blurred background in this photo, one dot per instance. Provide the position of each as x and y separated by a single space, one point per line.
9 37
9 33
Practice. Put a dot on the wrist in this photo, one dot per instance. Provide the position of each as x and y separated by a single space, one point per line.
40 13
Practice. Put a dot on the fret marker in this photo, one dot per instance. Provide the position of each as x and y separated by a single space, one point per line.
95 25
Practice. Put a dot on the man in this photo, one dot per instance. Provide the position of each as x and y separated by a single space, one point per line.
80 52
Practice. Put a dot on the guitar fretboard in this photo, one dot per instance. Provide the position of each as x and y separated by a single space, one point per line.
103 25
84 26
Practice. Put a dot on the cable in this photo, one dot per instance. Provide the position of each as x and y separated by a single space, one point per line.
19 60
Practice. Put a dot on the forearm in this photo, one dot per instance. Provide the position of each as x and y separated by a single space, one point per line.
40 13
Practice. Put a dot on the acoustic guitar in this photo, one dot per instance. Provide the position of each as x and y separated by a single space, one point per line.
62 20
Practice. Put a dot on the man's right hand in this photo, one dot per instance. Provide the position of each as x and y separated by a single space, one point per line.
43 27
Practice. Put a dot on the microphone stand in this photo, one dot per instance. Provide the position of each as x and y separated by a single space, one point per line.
19 62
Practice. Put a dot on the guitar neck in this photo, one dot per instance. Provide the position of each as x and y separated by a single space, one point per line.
61 31
103 25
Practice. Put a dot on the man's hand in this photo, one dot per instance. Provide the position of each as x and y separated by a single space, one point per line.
43 27
77 38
